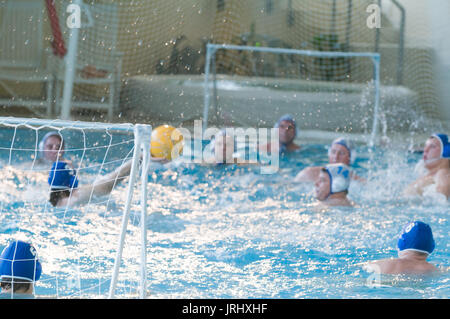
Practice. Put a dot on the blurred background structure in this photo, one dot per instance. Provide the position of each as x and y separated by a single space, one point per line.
143 61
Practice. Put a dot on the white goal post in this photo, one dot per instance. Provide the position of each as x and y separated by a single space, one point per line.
211 60
20 152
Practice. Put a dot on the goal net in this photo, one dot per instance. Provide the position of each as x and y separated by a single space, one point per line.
316 87
81 245
133 56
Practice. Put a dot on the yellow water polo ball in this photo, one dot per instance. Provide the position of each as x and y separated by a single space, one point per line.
166 142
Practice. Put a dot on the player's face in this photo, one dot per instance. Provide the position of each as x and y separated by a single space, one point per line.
322 186
432 150
52 146
339 154
286 132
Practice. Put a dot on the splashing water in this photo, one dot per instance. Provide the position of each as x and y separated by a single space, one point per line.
230 232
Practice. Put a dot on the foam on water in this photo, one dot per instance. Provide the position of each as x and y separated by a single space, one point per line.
230 232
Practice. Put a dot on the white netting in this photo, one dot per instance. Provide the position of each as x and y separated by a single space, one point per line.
280 81
76 244
135 59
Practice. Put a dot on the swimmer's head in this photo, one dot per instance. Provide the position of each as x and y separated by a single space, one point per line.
51 146
19 262
287 129
341 151
416 236
437 147
334 178
444 143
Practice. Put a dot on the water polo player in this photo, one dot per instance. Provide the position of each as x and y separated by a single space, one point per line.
414 246
436 161
341 151
19 270
331 187
287 128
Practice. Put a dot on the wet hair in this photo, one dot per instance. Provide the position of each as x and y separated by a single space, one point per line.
57 194
17 286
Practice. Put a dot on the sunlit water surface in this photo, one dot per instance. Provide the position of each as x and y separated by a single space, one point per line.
230 232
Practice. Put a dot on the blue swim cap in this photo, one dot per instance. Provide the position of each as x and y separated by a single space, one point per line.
19 261
289 118
339 177
416 236
445 145
62 177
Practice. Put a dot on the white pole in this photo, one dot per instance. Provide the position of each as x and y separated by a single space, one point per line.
376 63
126 214
145 133
70 63
210 49
142 144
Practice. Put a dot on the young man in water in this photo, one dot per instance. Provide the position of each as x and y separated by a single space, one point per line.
331 187
341 151
415 244
19 269
51 149
436 159
287 129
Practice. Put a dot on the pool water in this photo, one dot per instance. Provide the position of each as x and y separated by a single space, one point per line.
230 232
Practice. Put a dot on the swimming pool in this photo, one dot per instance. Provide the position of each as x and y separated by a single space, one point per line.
229 232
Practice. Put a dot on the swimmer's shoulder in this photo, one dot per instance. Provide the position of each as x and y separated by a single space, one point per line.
389 266
308 174
396 266
443 175
294 147
442 180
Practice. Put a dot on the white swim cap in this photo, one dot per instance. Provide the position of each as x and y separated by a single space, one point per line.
445 144
46 136
339 177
